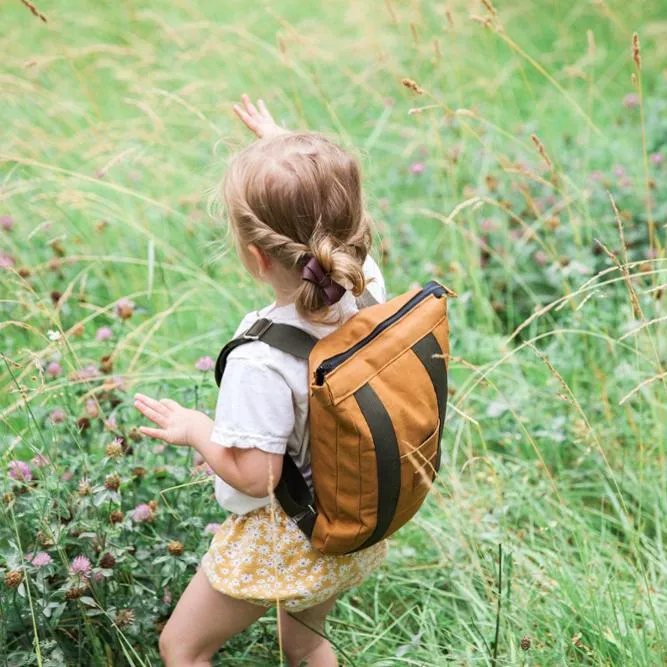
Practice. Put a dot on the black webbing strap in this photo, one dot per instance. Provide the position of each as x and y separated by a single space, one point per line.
388 457
283 337
429 352
292 490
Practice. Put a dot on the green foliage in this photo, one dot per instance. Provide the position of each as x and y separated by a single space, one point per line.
500 179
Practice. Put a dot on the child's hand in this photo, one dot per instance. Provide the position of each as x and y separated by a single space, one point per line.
177 425
260 122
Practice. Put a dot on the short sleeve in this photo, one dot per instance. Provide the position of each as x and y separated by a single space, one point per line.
255 408
375 280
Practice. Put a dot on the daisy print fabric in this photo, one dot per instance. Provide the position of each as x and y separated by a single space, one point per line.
262 557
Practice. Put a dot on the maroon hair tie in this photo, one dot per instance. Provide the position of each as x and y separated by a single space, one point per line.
314 273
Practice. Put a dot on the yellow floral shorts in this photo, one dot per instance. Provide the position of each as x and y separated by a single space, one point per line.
262 557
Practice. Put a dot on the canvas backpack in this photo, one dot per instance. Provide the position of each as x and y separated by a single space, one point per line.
378 395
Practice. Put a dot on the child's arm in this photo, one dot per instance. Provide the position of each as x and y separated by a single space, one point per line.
251 471
258 121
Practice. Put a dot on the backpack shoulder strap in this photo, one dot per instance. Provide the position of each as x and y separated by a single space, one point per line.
283 337
292 491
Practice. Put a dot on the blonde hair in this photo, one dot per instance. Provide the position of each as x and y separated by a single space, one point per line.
296 196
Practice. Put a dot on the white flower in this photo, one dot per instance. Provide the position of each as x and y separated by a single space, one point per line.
53 335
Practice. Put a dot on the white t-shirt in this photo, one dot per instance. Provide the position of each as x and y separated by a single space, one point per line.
263 398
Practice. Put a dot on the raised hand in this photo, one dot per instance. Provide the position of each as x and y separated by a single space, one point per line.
176 425
257 118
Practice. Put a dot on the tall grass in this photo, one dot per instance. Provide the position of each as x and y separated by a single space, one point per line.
521 165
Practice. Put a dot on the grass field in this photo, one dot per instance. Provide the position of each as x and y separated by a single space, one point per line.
525 172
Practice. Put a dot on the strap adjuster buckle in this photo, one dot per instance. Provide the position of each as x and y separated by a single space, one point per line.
309 511
257 330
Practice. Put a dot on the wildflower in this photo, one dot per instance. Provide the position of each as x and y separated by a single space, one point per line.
13 578
77 330
152 504
44 539
631 100
135 434
39 559
103 333
525 643
596 176
54 369
67 475
124 617
82 567
112 482
118 382
107 561
138 472
417 168
106 364
20 471
211 528
125 308
619 172
111 424
83 423
142 513
75 592
204 364
115 448
98 577
488 225
116 517
53 335
657 159
92 408
57 416
84 488
7 222
7 497
86 373
541 258
55 297
175 548
6 261
39 461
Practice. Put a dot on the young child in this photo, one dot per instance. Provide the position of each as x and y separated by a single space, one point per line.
294 203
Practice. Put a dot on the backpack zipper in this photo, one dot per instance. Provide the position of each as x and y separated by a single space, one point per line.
331 363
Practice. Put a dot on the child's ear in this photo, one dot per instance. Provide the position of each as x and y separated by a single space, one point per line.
261 260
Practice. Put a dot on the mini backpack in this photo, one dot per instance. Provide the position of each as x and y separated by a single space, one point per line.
378 396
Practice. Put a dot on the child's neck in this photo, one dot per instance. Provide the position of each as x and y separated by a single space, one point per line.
283 296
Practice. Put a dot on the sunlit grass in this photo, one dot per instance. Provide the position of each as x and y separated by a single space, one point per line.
496 179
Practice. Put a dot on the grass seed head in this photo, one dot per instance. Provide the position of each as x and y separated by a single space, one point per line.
636 51
412 85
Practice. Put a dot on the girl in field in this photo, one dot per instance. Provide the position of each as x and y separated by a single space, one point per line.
296 213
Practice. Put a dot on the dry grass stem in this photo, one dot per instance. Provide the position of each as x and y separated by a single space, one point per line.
541 150
34 10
